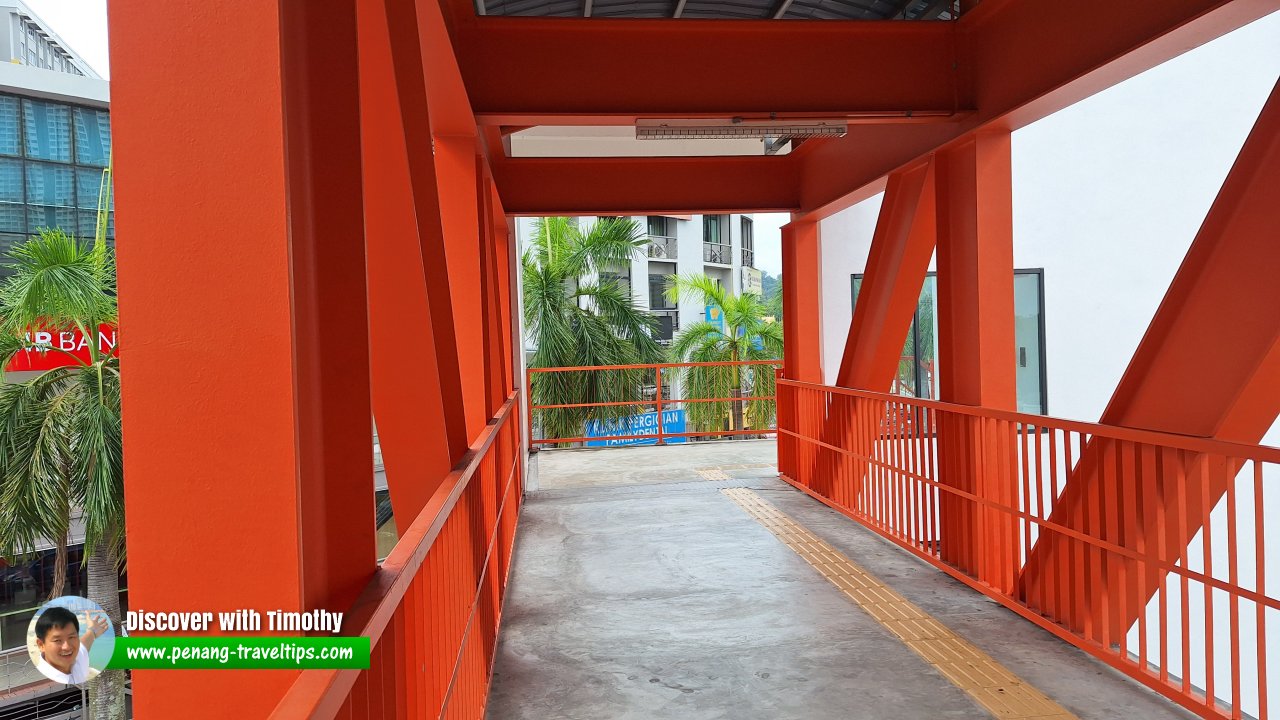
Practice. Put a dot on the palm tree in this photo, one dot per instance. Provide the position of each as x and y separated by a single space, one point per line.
575 320
60 431
743 335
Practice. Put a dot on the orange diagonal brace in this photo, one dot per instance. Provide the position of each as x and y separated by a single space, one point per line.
1209 366
408 402
901 247
415 114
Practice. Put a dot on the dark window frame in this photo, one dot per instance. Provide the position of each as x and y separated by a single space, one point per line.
856 278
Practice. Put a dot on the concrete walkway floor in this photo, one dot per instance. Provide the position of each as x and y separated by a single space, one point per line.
667 600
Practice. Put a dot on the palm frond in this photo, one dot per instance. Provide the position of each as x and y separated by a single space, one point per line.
573 323
98 455
57 282
696 286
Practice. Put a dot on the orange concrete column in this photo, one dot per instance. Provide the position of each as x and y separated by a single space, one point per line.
976 352
242 305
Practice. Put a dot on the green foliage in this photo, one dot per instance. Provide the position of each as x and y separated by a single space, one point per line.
60 431
746 336
575 323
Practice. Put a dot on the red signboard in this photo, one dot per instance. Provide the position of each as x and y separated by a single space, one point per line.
49 349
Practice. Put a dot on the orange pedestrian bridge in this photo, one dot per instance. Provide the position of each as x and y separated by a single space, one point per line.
318 200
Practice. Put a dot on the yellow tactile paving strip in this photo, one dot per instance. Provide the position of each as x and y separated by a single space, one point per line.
992 686
717 472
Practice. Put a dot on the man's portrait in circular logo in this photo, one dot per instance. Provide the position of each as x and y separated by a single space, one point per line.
70 640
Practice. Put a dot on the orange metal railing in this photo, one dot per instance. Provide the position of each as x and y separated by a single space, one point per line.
658 404
433 607
1145 549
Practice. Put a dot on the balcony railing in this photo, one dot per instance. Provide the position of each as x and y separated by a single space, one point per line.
1144 549
663 248
720 254
432 608
748 258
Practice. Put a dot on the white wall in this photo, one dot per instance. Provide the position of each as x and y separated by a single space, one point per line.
1109 194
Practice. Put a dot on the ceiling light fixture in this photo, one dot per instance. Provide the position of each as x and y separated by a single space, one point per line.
737 128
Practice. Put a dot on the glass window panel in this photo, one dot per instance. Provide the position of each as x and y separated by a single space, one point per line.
11 181
711 229
46 216
51 185
10 137
1028 336
926 330
48 130
93 136
13 218
920 351
88 185
658 226
88 223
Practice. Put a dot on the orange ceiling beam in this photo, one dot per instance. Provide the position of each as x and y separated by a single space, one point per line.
1012 65
647 186
540 71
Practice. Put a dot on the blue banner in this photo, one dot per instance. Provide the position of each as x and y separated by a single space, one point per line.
642 424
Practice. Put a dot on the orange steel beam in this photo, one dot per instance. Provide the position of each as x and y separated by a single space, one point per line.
507 276
275 466
647 186
460 208
901 247
1215 331
406 42
1021 65
408 400
802 301
976 351
450 110
490 296
516 69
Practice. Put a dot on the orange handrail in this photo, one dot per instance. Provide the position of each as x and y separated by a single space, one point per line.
458 629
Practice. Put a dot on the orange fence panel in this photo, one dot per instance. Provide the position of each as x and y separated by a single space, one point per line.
649 380
972 490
